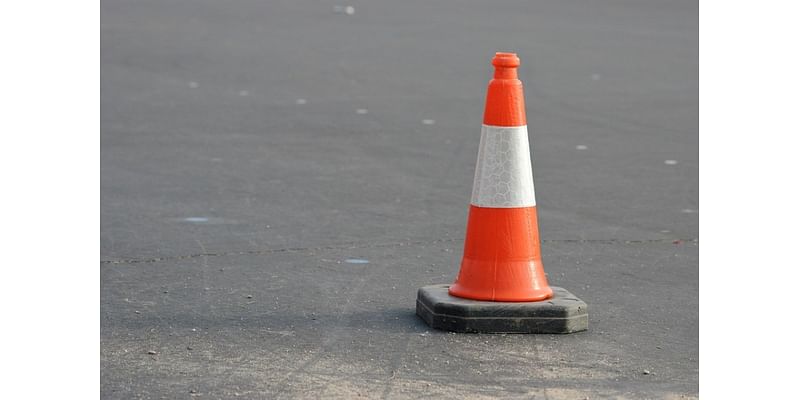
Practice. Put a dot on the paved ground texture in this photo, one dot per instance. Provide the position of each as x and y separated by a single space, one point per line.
278 179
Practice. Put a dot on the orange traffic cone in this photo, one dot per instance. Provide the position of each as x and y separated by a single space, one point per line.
502 261
502 283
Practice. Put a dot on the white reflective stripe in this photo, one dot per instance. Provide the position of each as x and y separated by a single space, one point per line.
503 175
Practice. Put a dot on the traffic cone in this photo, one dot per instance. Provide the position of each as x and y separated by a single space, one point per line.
502 261
501 286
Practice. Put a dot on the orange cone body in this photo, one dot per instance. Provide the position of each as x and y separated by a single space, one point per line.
502 260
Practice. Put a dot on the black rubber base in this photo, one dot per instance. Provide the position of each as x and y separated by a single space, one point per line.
562 313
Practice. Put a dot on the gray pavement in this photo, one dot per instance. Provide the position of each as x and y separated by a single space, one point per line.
264 236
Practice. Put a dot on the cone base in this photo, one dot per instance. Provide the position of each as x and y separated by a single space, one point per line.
562 313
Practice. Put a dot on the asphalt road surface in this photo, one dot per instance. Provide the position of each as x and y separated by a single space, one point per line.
279 177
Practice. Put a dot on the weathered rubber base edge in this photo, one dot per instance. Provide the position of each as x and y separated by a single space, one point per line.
563 313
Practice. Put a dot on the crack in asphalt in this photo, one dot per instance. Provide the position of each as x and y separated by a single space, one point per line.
374 245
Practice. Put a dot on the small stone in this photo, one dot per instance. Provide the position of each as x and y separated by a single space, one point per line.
249 296
137 312
646 372
192 391
189 348
152 352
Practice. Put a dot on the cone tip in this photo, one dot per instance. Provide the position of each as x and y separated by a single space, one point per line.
505 60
